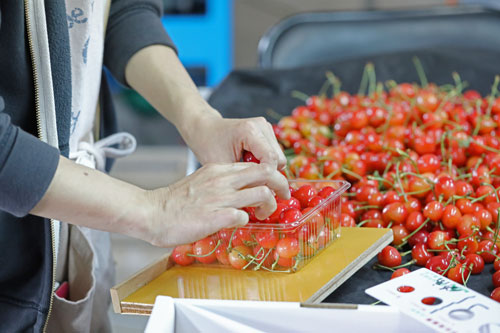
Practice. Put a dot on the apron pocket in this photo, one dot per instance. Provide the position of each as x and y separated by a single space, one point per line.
75 314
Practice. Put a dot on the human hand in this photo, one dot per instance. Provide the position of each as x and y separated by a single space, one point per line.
214 139
210 199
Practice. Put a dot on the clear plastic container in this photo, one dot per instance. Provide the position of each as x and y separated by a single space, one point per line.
277 247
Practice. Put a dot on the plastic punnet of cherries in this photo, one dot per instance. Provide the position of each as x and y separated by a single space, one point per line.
296 231
422 159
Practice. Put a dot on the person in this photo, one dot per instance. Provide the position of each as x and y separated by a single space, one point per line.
56 117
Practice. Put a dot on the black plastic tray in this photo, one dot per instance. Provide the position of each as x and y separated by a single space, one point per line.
313 38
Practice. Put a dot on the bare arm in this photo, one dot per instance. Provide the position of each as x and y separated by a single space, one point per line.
157 74
186 211
90 198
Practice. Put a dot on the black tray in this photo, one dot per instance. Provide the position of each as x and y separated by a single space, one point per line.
313 38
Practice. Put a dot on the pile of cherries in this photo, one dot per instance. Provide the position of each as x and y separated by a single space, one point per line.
423 160
278 243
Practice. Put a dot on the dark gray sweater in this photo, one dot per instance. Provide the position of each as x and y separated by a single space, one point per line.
27 165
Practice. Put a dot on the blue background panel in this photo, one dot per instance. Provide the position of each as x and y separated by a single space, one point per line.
205 40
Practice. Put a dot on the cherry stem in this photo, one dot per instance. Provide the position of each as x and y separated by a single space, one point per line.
458 82
275 270
262 261
478 120
334 81
405 253
485 146
372 79
229 247
420 72
497 229
398 178
360 224
379 266
300 95
494 90
333 174
253 258
485 195
273 114
404 240
364 82
366 207
494 190
350 173
405 154
207 254
324 88
409 173
276 261
465 280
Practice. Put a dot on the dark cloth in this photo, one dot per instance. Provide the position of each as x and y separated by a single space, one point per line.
136 22
28 165
253 92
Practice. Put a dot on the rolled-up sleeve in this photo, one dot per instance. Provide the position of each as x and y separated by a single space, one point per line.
27 166
132 26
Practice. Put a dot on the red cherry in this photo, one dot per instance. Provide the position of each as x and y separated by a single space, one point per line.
304 194
420 254
267 238
289 216
414 220
474 262
389 257
288 247
487 249
180 255
249 157
495 294
451 216
204 250
395 212
420 237
458 273
437 264
326 191
434 210
437 239
445 186
238 256
428 163
347 221
280 207
399 232
400 272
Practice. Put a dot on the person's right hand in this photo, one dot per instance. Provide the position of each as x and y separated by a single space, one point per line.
210 199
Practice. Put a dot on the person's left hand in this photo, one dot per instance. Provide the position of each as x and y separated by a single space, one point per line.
214 139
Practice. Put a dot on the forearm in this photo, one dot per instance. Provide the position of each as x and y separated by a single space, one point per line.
158 75
90 198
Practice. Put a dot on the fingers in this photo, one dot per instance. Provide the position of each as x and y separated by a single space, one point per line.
276 147
260 140
261 174
230 218
260 197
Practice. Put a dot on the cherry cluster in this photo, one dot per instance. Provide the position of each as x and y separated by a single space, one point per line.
423 160
285 241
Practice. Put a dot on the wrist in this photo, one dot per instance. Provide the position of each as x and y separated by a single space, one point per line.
135 221
196 118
